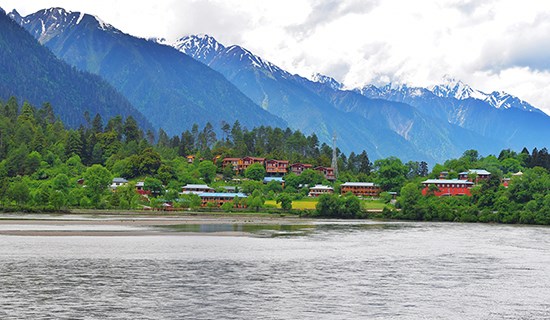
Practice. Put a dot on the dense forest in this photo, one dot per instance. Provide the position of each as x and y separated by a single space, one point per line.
42 163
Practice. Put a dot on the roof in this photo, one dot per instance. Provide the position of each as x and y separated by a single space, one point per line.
119 180
446 181
301 165
476 171
274 160
139 184
222 195
358 184
269 179
322 187
196 186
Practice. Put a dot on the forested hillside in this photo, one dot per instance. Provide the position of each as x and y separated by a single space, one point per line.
32 73
44 166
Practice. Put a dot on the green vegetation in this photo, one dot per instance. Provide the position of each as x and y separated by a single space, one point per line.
46 167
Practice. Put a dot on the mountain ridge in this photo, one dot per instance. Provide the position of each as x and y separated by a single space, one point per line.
171 89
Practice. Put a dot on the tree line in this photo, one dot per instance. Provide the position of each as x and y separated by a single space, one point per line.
42 163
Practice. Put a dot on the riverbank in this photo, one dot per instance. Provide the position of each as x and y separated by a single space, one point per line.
132 223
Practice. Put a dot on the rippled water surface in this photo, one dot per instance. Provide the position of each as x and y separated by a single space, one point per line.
324 271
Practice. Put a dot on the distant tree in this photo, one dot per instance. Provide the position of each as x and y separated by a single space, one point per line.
97 179
207 170
255 171
391 173
285 200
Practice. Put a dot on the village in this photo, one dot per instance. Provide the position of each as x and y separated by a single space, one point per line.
275 171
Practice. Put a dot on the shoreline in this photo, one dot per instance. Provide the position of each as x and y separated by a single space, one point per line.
132 223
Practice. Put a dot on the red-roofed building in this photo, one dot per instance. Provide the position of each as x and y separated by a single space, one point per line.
328 172
276 167
298 168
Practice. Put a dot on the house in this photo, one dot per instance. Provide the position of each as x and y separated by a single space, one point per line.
361 189
298 168
328 172
218 198
190 158
319 189
140 188
248 161
230 189
196 189
276 167
452 187
235 163
481 175
117 182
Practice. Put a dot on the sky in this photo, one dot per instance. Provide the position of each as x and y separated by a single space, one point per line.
492 45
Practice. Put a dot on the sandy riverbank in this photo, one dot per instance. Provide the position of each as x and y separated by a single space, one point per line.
130 224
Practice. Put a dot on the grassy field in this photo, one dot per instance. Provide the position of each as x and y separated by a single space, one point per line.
309 204
303 204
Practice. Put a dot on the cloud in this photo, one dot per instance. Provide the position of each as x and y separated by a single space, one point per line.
324 12
490 44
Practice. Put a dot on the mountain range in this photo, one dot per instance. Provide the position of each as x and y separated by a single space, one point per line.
30 72
170 89
198 79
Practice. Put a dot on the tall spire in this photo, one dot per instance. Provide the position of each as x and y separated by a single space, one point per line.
334 156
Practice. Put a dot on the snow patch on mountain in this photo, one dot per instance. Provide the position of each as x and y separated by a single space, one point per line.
331 82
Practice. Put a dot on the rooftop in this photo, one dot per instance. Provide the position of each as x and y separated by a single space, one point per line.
476 171
446 181
359 184
222 195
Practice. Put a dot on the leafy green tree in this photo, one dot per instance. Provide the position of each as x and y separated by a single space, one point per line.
207 170
154 185
285 200
19 192
256 200
391 173
97 179
255 172
149 162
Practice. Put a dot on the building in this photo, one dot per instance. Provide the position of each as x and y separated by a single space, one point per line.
481 175
218 199
328 172
448 187
276 167
140 188
117 182
196 189
235 163
248 161
298 168
241 164
361 189
319 189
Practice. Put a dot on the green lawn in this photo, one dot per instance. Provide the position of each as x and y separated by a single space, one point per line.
303 204
309 204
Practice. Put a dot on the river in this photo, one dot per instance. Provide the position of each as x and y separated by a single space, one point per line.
322 270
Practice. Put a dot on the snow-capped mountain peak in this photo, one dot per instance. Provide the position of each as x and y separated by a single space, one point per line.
201 47
206 49
453 88
321 78
53 21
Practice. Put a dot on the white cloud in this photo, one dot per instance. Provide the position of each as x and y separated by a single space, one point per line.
490 44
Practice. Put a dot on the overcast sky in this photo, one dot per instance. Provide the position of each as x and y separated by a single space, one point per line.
489 44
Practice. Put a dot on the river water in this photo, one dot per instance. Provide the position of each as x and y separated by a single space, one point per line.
331 270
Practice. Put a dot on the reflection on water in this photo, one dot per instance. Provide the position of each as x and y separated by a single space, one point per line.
333 270
282 230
